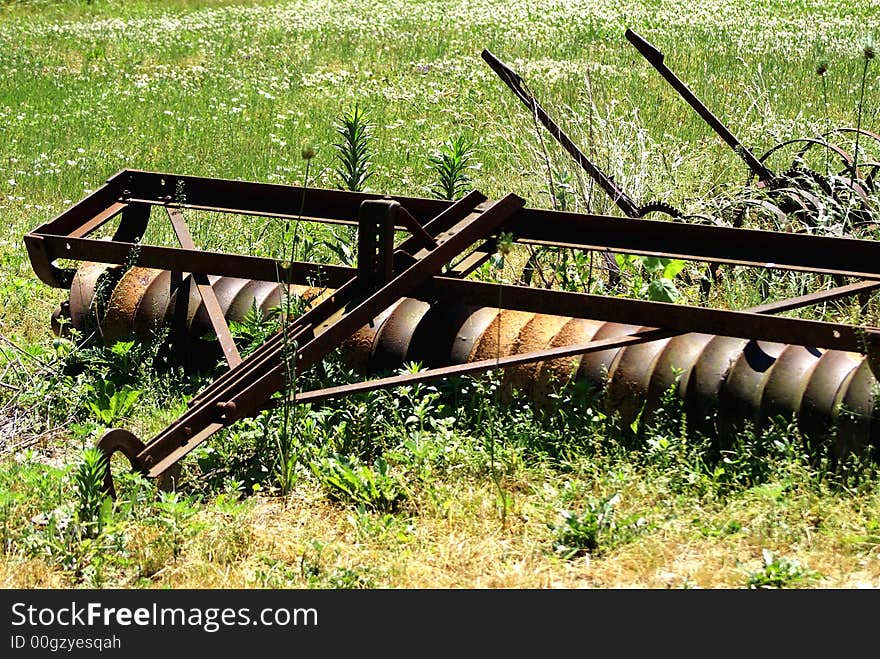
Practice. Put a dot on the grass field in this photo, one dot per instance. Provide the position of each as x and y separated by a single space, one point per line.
476 494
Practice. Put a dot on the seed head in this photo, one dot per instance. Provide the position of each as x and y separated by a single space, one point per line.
870 48
822 68
308 151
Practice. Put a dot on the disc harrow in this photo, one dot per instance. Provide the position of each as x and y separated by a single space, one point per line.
412 296
416 293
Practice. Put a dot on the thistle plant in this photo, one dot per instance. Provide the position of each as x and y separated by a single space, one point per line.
353 150
286 461
868 53
821 70
450 165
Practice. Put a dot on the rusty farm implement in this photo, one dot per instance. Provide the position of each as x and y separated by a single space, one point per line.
798 195
412 296
415 295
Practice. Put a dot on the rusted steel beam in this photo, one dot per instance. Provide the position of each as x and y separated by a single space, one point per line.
655 58
474 259
643 336
45 249
748 247
85 210
206 291
416 229
817 297
480 366
681 318
516 84
799 252
98 220
265 199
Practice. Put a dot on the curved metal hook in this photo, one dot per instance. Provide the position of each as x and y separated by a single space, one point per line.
130 446
126 443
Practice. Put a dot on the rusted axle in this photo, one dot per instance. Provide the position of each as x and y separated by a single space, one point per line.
724 383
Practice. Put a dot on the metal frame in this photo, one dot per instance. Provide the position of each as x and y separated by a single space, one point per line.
441 234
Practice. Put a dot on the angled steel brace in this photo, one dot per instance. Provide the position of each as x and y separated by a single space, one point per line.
244 389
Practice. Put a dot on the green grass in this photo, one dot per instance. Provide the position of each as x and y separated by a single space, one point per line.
481 496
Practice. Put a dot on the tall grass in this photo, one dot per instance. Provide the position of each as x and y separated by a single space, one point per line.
224 89
233 89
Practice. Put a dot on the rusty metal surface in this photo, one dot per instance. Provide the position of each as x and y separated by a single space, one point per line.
655 58
723 382
765 249
248 387
206 293
729 367
790 191
519 88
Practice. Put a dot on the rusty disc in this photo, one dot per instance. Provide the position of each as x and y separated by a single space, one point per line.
823 394
707 376
554 373
673 368
630 377
537 334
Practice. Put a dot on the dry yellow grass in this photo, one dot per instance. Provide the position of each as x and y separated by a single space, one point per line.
458 540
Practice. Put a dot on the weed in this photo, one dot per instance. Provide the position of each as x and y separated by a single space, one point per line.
254 328
310 567
577 534
347 479
93 505
172 513
286 456
650 276
563 190
8 501
821 70
109 405
868 53
243 454
380 527
593 530
227 540
779 572
759 454
493 430
275 573
354 150
350 578
450 166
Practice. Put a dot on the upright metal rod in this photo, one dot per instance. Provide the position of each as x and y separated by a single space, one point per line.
623 201
655 58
